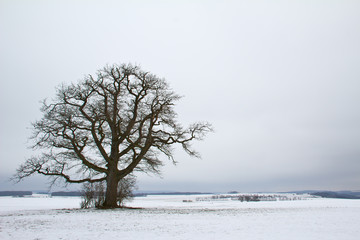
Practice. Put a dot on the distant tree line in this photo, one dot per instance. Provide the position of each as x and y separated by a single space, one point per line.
251 197
67 194
15 193
343 195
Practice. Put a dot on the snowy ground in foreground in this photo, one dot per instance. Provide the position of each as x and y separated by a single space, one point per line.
168 217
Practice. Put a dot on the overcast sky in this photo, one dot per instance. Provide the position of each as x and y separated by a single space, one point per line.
279 81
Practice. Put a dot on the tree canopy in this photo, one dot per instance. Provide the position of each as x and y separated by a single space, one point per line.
108 125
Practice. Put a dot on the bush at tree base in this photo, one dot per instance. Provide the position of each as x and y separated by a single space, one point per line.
94 193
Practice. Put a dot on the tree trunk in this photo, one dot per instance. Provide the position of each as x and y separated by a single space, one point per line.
112 182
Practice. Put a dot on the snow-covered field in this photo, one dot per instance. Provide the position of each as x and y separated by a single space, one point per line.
170 217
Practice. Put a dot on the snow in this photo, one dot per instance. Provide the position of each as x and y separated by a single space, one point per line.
170 217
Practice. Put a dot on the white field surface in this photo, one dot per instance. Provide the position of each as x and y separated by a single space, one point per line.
168 217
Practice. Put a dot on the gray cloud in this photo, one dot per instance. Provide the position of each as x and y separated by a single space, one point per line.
279 81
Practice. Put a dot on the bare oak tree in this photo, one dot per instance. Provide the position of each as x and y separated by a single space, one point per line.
107 126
